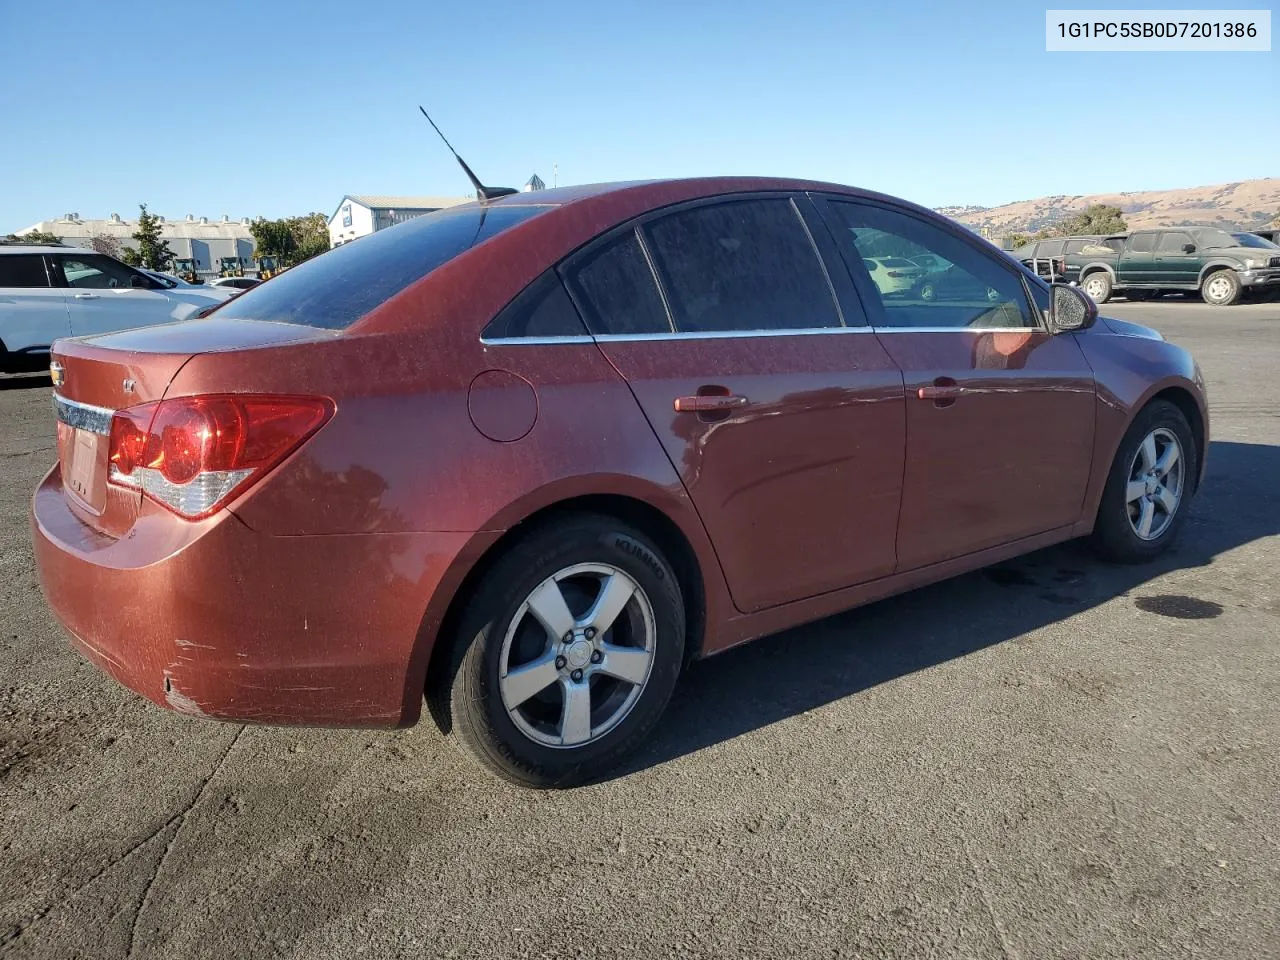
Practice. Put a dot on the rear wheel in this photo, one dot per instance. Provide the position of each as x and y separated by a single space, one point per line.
567 653
1221 288
1152 478
1098 286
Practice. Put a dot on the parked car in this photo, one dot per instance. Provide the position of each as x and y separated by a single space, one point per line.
51 292
235 283
893 276
171 281
956 284
531 456
1048 257
1222 267
1270 235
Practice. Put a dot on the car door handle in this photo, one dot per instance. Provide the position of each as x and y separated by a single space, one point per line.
86 296
943 392
714 402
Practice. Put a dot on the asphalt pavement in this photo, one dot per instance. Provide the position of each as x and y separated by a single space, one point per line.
1052 758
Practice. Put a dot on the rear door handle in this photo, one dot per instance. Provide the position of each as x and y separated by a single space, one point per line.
86 296
703 403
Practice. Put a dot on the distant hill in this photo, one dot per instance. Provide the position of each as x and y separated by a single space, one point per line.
1245 205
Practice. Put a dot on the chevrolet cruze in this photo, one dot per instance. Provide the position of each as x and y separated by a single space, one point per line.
524 459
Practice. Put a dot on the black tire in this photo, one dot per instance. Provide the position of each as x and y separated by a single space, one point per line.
1099 281
1114 537
1228 281
474 707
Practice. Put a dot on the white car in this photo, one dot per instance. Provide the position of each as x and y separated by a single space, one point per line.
892 275
234 283
52 292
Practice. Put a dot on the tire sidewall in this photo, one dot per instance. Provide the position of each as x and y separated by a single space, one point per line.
1107 286
1112 525
1226 301
494 607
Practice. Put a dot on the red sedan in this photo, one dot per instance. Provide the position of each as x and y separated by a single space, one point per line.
530 456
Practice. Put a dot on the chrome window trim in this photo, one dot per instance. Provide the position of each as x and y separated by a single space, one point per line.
959 329
536 341
83 416
693 335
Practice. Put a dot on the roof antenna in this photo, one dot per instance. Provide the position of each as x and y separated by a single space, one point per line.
482 192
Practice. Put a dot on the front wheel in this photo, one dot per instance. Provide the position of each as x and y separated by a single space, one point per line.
1152 478
1098 286
568 652
1221 288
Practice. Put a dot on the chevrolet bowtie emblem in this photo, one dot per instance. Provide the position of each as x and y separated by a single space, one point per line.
57 373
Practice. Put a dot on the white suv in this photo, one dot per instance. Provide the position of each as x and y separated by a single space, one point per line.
52 292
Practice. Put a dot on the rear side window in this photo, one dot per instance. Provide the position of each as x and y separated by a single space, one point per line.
1075 246
337 288
617 290
542 309
741 265
1050 248
22 270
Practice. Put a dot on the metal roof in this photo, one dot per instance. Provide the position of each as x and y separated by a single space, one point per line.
384 202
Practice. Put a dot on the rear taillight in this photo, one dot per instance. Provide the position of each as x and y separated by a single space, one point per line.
193 454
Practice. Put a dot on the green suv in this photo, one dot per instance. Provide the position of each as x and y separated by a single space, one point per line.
1222 267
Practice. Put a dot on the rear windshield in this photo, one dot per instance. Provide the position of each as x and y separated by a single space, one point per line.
337 288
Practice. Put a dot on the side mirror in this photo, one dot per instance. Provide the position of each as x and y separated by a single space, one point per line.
1070 309
1188 248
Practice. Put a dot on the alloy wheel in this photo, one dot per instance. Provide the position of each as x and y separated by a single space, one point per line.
1094 287
577 655
1218 287
1155 484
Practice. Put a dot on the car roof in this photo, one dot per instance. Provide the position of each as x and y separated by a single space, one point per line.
38 248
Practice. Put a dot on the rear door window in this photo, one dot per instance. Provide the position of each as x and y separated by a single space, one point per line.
1142 243
617 290
741 265
23 270
337 288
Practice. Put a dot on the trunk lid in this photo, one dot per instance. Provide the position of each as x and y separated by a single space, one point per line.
96 376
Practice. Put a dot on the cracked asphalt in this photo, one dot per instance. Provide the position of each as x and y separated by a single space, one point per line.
1053 758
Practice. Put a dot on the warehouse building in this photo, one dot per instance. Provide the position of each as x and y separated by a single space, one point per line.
203 240
359 216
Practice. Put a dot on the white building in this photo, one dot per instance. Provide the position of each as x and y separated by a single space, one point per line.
197 238
359 216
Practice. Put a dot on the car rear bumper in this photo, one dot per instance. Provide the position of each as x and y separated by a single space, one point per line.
214 619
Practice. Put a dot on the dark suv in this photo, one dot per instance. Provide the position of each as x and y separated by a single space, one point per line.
1047 257
1222 267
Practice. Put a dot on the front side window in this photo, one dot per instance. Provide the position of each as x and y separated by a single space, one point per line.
337 288
1173 242
96 273
973 291
23 270
741 265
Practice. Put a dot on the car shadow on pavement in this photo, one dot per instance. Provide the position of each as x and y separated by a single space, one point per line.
24 381
790 673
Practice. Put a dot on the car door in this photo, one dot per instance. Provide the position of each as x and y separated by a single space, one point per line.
1137 262
1173 265
783 415
33 312
102 295
999 413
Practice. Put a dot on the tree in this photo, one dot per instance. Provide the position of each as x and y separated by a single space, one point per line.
292 239
1014 240
153 251
131 257
35 236
1097 218
102 243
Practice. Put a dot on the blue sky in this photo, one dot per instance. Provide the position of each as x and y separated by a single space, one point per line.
275 108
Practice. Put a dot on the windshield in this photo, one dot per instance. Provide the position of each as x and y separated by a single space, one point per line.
1252 240
337 288
1213 239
